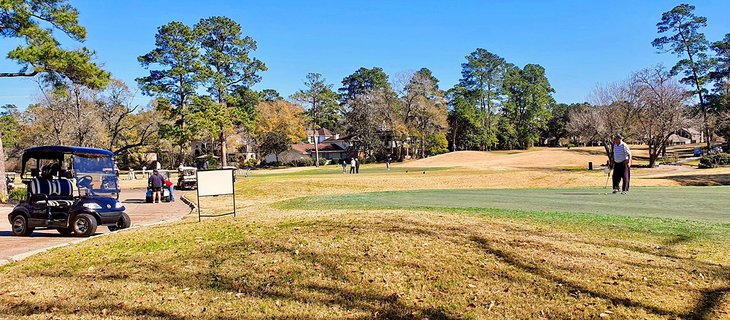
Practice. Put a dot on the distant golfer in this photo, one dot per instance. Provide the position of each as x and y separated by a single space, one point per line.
344 166
353 163
357 165
387 163
621 164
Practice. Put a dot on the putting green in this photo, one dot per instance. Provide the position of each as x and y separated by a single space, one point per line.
709 204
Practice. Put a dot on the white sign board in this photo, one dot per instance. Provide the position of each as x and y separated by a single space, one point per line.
215 182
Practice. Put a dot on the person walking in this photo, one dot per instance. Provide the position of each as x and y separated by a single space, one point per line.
156 181
621 164
357 165
170 188
352 165
344 166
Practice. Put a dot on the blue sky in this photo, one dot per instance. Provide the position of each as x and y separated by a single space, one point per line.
580 43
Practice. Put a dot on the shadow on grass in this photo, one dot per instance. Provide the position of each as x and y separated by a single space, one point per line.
700 180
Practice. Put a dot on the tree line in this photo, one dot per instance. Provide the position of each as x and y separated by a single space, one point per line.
201 77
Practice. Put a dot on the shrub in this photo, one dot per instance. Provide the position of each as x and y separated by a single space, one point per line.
336 161
18 194
715 160
303 162
250 163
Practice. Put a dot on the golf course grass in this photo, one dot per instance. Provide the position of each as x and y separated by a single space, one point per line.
707 204
410 243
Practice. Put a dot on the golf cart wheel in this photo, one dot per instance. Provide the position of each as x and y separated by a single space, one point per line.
65 231
84 225
20 226
124 222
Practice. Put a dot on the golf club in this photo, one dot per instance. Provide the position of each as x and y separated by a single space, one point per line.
608 177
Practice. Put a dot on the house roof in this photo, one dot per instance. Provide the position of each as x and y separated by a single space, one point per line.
320 132
691 131
326 146
677 138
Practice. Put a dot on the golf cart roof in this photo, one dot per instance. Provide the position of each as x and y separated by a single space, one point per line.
54 151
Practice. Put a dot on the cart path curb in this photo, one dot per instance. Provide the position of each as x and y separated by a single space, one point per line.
189 202
24 255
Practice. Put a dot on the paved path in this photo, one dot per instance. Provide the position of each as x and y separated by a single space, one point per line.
141 213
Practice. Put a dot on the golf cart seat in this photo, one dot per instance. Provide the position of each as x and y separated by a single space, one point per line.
53 192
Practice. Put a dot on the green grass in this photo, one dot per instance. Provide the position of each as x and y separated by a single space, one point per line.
706 204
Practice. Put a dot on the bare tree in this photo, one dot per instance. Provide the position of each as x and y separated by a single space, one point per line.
661 106
613 112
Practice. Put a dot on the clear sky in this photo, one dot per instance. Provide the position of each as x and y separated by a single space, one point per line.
580 43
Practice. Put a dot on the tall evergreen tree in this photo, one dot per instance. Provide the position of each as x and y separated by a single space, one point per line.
721 74
176 75
528 98
482 75
465 120
322 105
363 81
227 66
685 39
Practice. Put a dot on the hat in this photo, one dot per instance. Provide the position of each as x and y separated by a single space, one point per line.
618 136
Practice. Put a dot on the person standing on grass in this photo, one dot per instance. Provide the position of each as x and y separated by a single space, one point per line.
621 164
156 181
353 163
344 166
387 163
357 165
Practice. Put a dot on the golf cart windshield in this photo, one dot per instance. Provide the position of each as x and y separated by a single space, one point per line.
95 174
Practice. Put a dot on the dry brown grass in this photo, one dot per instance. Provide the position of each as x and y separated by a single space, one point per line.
378 264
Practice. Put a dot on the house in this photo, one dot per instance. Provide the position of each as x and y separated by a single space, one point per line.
693 135
320 135
330 146
240 148
329 150
676 139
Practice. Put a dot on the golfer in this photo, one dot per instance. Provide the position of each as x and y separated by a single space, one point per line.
621 164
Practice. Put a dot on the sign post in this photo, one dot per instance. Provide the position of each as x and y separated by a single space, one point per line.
216 183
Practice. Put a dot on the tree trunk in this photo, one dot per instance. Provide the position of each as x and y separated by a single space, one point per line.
224 148
316 150
3 186
607 147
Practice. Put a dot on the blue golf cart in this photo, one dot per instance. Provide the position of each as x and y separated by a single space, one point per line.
70 189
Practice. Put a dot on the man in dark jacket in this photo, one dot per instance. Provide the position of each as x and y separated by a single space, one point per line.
156 181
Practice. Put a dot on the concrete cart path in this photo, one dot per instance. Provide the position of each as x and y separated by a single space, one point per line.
13 248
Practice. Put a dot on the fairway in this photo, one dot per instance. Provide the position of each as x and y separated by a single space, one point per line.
708 204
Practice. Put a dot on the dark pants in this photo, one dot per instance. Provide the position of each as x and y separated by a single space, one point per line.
621 171
352 169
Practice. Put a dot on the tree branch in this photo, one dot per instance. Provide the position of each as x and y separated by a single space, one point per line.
17 74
